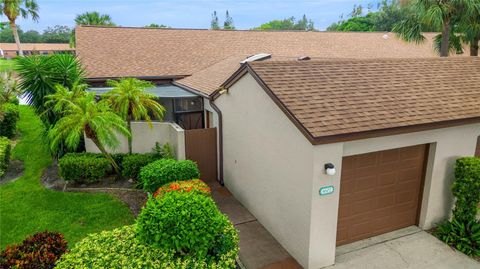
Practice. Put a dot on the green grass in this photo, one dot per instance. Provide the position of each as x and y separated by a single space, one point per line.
6 65
27 207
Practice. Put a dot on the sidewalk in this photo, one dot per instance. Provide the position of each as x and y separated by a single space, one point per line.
258 248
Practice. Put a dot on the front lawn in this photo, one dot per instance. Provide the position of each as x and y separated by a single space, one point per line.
27 207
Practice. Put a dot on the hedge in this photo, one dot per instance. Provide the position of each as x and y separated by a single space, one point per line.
164 171
5 148
131 164
83 168
466 188
8 126
119 248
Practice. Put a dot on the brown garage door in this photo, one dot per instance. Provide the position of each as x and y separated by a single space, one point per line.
380 192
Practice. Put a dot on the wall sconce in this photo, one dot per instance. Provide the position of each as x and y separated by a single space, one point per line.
330 169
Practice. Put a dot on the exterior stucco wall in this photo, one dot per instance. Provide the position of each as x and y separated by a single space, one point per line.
144 138
268 164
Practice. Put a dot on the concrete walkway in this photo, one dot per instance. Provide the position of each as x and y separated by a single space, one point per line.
258 248
409 248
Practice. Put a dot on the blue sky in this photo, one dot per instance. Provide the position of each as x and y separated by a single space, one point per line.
191 13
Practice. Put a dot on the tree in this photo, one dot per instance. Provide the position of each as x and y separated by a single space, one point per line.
155 25
355 24
94 18
288 24
129 99
214 23
57 34
14 8
90 18
469 27
81 115
6 34
31 36
228 23
38 76
437 14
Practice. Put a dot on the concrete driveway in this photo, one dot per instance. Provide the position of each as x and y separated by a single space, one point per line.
407 248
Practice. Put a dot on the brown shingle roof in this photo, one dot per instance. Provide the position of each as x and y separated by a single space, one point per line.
339 97
37 46
143 52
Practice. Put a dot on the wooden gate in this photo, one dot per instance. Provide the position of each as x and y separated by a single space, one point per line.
201 147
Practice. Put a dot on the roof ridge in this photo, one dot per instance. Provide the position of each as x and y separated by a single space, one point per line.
362 60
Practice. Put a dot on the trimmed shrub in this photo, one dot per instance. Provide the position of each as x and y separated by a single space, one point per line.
39 251
8 126
5 148
83 168
194 185
164 171
131 164
466 189
118 249
463 236
186 223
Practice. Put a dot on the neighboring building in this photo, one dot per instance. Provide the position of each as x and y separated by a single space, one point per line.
10 50
296 102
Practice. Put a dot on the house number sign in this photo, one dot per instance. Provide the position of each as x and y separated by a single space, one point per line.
326 190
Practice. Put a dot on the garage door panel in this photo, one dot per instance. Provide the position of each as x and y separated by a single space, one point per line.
381 192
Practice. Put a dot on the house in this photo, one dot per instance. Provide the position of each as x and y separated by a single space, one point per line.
10 50
327 138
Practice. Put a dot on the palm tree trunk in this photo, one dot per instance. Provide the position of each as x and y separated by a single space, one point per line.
14 28
107 155
444 47
474 46
129 126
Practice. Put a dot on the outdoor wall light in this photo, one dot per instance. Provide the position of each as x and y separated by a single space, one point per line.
330 169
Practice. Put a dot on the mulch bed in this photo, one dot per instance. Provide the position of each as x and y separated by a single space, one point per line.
123 189
14 171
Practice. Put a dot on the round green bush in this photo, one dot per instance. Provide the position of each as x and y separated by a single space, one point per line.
163 171
120 249
186 223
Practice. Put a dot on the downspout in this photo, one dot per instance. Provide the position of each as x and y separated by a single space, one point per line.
220 138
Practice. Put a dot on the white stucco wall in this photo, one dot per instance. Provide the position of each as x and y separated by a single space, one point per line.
144 138
274 171
267 165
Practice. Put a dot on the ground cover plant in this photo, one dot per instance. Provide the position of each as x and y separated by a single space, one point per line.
26 207
39 251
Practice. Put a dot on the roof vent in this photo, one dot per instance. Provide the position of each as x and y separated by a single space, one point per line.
385 36
303 58
257 57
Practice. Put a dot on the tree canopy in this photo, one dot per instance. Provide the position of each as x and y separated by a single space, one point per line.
55 34
288 24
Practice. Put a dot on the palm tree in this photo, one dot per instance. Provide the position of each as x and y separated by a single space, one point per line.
94 18
439 14
82 114
14 8
469 26
130 100
38 76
